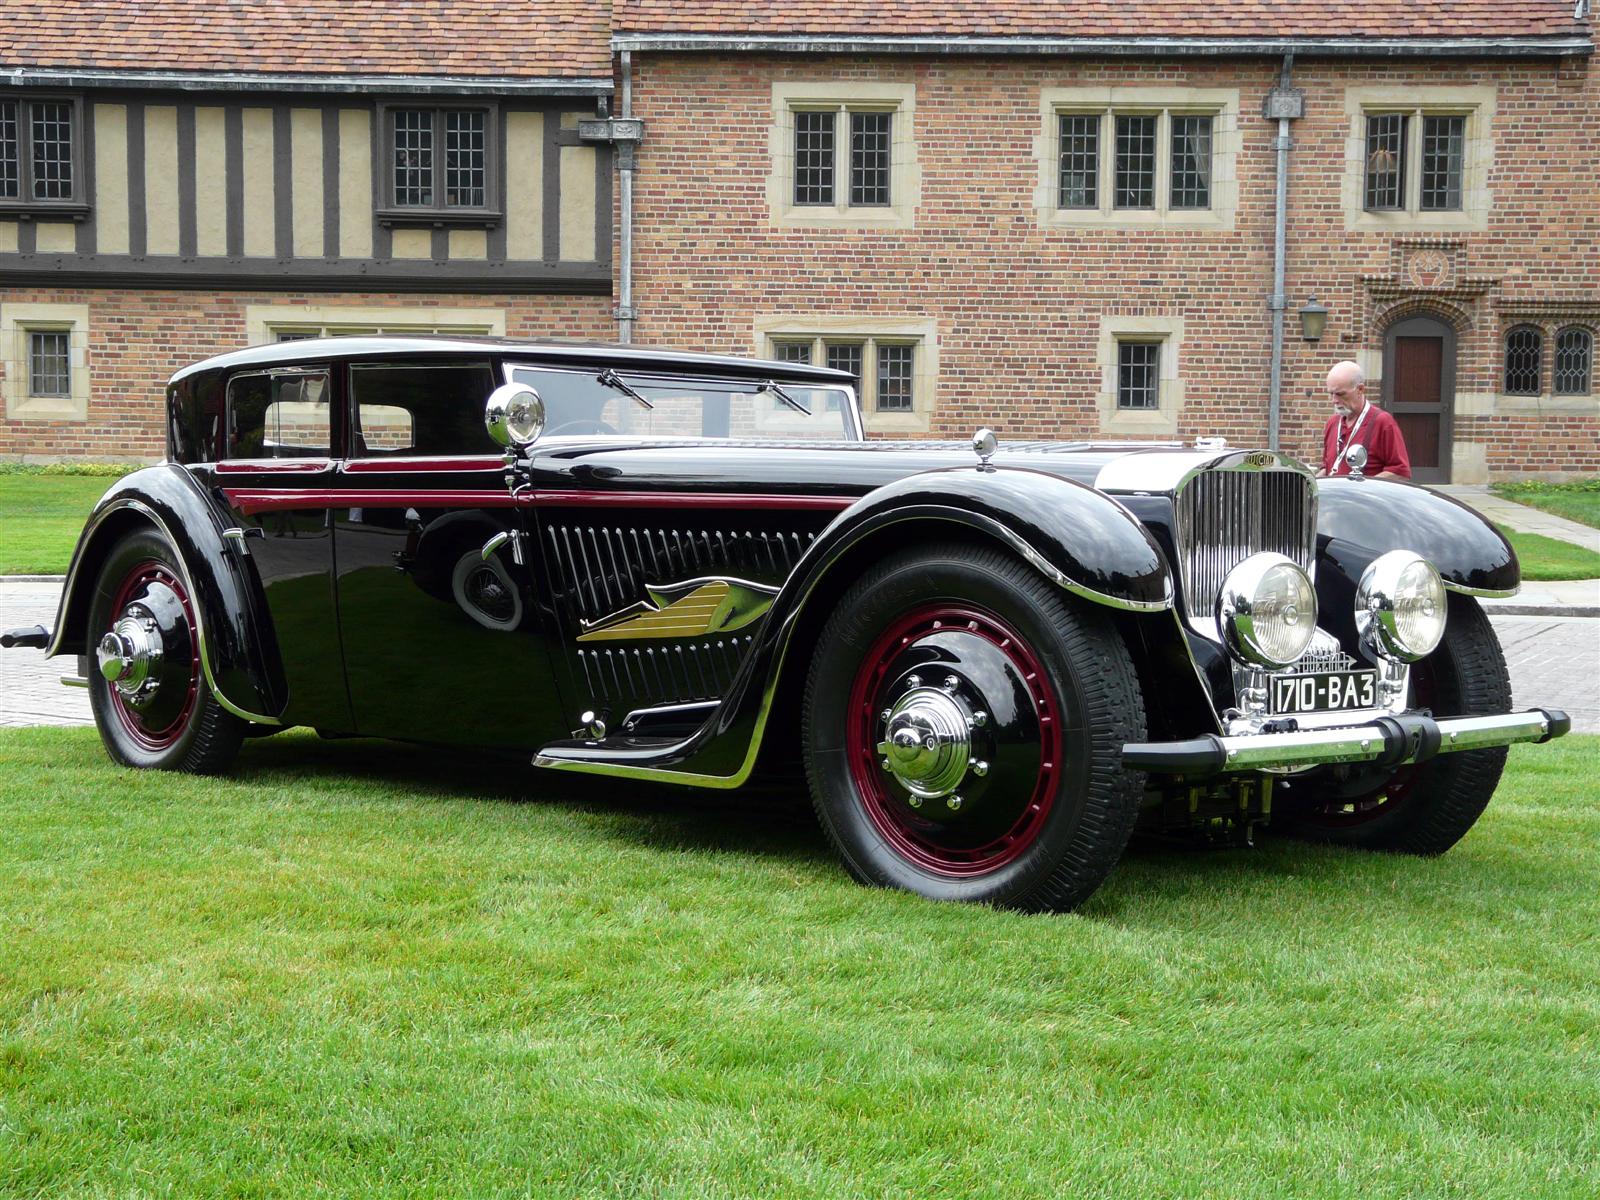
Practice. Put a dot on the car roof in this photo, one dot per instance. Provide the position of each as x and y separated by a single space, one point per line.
576 354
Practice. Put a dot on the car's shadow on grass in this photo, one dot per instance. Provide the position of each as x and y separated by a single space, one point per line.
776 822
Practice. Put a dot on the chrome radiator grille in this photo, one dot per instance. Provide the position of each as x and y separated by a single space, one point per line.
1223 517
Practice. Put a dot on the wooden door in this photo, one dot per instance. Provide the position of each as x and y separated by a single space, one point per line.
1419 392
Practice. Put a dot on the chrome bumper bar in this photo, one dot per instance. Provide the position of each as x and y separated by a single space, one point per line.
1387 742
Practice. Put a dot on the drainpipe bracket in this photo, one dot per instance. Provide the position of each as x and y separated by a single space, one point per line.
625 312
1284 104
616 130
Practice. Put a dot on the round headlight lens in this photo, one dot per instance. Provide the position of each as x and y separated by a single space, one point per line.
1400 606
1267 610
514 414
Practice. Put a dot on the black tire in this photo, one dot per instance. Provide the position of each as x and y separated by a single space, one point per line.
1032 833
1428 808
180 726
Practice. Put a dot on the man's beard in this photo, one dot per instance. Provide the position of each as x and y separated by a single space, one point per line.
1344 410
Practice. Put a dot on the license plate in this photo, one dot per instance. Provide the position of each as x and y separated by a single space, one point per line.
1324 693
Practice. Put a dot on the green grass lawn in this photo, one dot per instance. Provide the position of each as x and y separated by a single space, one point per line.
362 970
41 516
1575 501
1544 558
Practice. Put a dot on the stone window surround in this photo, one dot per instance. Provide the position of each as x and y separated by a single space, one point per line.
1476 102
1161 421
920 332
1221 104
16 322
905 177
263 322
1500 402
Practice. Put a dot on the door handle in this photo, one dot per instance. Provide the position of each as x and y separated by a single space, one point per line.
239 537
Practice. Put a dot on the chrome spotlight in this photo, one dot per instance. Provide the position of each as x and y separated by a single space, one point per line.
514 414
1267 610
1400 606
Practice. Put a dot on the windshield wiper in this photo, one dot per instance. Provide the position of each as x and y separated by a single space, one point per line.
609 378
771 386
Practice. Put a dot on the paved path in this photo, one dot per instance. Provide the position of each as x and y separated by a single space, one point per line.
1555 663
1520 516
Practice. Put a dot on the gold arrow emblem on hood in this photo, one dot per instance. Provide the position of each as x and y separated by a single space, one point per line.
693 608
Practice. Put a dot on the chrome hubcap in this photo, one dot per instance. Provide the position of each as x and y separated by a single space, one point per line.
926 744
130 655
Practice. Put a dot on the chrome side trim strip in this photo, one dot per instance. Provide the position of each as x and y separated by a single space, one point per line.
150 515
1487 593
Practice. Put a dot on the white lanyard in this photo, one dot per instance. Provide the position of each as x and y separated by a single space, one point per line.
1344 443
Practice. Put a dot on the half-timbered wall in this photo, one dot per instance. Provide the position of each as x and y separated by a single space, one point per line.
196 191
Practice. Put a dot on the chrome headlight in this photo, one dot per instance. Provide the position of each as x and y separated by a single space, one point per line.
1400 606
514 414
1267 610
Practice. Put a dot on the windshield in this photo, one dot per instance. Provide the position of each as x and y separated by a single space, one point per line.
578 403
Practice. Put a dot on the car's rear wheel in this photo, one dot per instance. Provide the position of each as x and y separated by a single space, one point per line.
963 727
147 688
1428 807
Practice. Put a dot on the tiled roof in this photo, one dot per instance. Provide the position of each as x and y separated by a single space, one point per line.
1103 18
509 38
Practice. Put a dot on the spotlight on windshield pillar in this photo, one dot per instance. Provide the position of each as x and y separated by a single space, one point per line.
1313 320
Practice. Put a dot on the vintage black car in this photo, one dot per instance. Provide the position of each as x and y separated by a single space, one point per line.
991 663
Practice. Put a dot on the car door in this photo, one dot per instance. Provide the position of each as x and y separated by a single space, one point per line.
278 436
440 643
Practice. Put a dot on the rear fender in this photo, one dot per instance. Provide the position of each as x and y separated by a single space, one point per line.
237 649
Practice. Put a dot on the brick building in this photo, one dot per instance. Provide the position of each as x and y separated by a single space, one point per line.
185 178
1060 219
1062 216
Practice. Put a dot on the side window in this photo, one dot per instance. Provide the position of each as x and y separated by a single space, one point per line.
420 408
279 415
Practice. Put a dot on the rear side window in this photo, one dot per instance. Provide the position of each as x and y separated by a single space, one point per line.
279 415
421 409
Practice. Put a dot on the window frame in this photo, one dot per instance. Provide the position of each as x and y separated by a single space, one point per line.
224 436
843 179
1108 158
1588 388
867 381
1475 103
24 205
1157 343
1538 359
391 214
1413 140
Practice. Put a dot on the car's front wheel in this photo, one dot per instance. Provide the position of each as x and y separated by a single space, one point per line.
147 688
1428 807
963 727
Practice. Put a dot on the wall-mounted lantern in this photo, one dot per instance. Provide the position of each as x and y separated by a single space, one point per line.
1313 320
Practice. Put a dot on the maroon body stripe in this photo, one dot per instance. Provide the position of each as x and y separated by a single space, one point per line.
401 466
254 500
272 466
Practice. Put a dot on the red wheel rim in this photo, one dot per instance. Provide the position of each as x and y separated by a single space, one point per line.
156 735
1018 813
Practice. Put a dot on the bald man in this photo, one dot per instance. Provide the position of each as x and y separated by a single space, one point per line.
1357 422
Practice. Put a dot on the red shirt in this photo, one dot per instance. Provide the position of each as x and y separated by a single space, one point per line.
1386 449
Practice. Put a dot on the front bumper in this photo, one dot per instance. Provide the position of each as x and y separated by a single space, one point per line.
1385 742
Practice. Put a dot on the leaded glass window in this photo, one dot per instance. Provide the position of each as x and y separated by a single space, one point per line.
10 152
1138 375
1442 142
1386 158
1191 162
1524 349
1136 162
894 378
1574 361
52 150
49 363
869 157
845 356
413 158
1080 160
792 352
813 157
466 167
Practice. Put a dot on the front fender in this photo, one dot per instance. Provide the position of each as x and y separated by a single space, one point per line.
236 644
1359 519
1082 539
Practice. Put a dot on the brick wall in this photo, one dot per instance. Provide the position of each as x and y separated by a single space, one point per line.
138 338
1018 305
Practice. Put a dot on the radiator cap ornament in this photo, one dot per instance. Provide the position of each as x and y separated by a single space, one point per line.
984 444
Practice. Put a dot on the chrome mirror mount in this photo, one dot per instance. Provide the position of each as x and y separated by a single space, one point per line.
1356 456
514 415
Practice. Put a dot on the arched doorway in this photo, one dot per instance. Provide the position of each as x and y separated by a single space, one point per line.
1419 391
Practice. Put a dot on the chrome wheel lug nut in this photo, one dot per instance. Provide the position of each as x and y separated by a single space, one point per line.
914 800
978 720
884 715
884 762
978 766
913 681
951 683
953 803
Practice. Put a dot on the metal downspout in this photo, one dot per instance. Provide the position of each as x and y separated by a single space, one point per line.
625 166
1279 247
